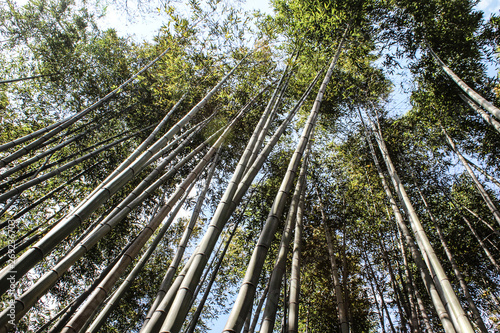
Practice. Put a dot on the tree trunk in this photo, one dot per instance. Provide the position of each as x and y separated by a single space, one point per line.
445 289
115 298
169 275
342 313
76 217
485 249
416 255
247 290
478 185
65 123
215 271
233 195
293 308
280 265
454 266
466 89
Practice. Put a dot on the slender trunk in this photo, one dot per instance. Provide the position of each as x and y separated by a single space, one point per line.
142 147
395 287
379 311
146 233
169 275
153 325
27 78
50 194
38 157
293 308
83 212
205 275
344 324
485 115
258 310
115 298
485 249
410 295
224 210
483 172
215 271
280 264
28 137
83 296
65 123
421 307
19 189
247 290
70 157
457 314
454 266
496 232
466 89
479 186
379 290
285 302
416 255
51 321
13 200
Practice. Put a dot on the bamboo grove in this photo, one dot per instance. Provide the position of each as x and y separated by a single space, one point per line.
250 170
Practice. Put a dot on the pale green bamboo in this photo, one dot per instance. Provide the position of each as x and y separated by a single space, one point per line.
131 158
479 218
245 296
117 295
341 306
454 266
169 275
215 271
98 296
66 158
38 157
223 212
483 246
219 220
280 264
151 324
457 314
256 316
443 314
79 300
51 193
77 216
199 309
379 290
28 137
71 120
484 173
486 116
465 88
40 179
293 308
28 298
491 206
269 112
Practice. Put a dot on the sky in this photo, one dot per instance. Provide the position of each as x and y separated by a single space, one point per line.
146 29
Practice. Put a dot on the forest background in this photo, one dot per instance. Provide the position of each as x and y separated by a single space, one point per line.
326 146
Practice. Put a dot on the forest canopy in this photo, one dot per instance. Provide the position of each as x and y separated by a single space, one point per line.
250 171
